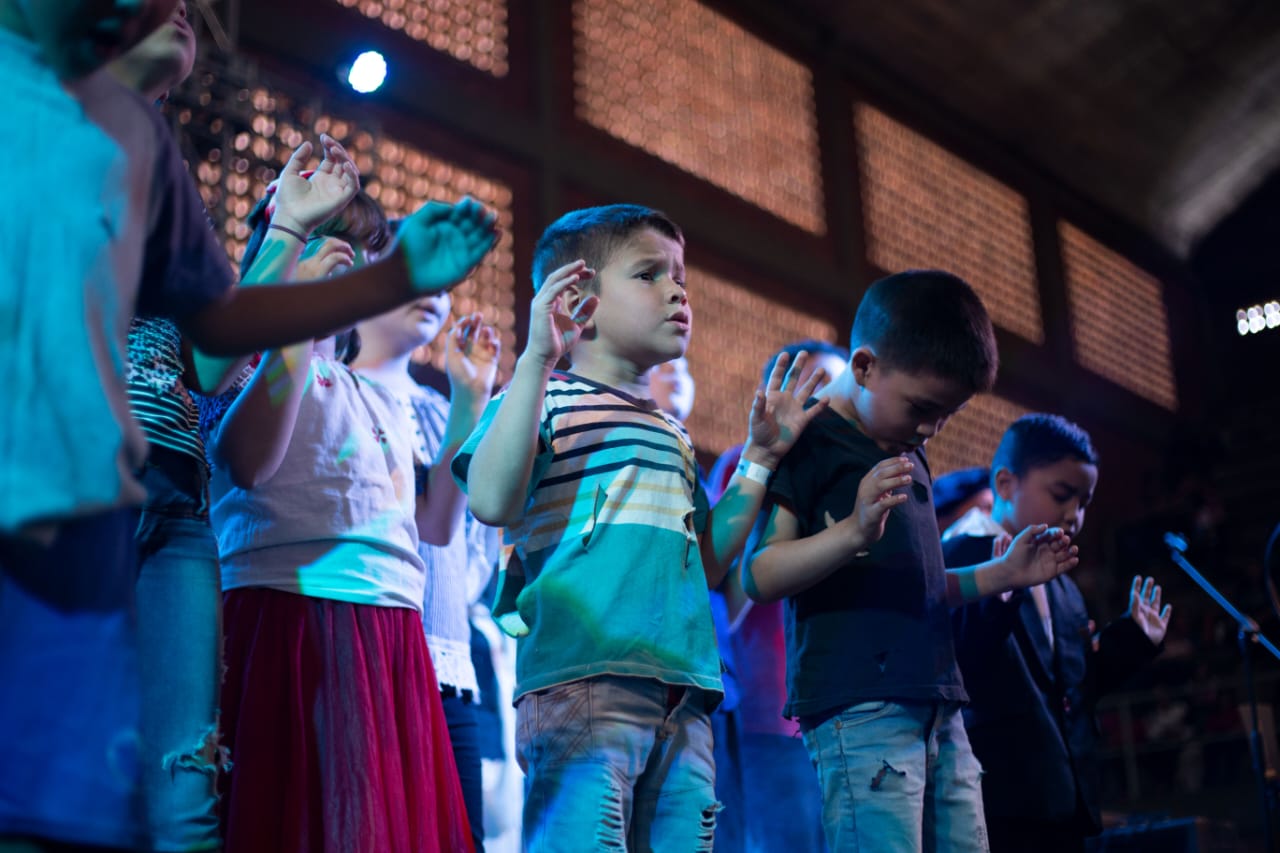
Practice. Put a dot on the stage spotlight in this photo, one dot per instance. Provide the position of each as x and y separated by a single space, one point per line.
367 72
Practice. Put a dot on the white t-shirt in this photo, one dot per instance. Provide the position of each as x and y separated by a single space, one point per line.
336 519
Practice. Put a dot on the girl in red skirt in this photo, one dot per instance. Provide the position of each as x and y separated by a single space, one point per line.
337 736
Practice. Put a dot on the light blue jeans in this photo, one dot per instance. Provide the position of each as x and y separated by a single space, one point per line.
617 764
898 777
179 649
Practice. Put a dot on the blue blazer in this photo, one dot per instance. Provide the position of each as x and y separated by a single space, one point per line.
1031 714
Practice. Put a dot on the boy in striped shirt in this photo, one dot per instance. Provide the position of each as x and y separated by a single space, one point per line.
613 546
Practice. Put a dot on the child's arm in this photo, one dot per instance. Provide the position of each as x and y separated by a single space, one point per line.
471 362
778 416
435 249
499 472
301 204
252 439
1038 554
1131 641
784 563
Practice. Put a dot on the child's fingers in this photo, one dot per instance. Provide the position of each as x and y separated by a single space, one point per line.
813 411
797 367
297 159
810 385
550 292
1166 613
779 370
586 308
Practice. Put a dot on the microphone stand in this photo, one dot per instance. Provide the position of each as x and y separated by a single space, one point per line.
1247 634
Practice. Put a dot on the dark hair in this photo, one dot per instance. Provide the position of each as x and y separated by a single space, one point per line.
361 223
1037 440
955 487
594 234
811 346
928 321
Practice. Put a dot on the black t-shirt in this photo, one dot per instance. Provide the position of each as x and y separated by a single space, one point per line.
879 627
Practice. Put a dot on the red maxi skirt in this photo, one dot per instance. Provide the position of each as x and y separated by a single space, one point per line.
338 740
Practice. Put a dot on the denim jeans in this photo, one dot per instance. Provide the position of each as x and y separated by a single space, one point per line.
898 777
617 764
783 804
69 676
464 737
179 647
731 821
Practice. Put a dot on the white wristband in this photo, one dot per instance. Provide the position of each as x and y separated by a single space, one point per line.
753 471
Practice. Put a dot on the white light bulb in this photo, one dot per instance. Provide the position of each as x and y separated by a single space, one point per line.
367 72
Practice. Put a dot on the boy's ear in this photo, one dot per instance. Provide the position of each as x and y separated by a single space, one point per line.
862 362
1006 483
574 295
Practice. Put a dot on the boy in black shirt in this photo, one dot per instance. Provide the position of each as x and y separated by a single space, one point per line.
851 540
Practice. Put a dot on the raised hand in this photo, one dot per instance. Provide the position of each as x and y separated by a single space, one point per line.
876 497
778 415
1038 554
302 203
1145 611
471 358
441 243
553 329
325 257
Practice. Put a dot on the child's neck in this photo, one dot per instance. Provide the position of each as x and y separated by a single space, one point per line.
622 374
1003 516
387 367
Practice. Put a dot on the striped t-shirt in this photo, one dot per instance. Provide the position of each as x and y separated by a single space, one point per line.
160 402
613 582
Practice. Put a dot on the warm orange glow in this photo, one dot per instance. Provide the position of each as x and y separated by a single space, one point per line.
925 207
1118 321
688 85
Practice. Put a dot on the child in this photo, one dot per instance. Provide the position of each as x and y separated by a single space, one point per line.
783 806
1031 665
179 590
330 707
850 539
110 241
614 547
454 577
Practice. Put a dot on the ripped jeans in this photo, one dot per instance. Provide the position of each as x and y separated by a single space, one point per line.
179 649
617 763
898 777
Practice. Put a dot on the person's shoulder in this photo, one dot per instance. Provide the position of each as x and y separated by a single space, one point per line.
967 549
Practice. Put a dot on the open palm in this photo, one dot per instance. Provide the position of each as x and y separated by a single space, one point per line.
778 413
1145 610
309 200
442 243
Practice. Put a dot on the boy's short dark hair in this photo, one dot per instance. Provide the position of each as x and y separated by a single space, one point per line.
1037 440
952 489
812 346
594 234
928 321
